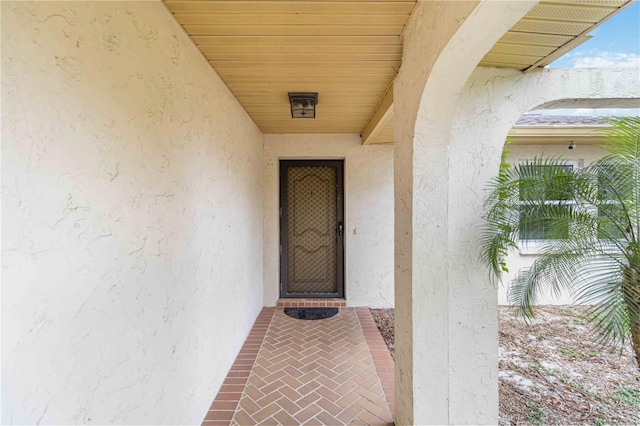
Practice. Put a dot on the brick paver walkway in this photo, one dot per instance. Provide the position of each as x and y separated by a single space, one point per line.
334 371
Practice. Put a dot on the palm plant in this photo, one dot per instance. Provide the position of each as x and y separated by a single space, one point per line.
589 220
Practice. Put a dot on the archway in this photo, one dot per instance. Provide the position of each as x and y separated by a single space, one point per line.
436 383
449 137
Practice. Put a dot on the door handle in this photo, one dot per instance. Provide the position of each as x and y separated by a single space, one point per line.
340 228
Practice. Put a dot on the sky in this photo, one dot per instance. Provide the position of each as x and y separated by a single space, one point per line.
615 43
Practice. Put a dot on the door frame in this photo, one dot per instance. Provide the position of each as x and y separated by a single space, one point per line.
339 166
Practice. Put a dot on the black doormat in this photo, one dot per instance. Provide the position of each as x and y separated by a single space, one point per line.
310 313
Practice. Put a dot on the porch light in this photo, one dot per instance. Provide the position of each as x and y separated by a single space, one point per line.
303 105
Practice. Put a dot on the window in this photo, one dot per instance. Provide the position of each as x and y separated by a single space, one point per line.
610 213
609 219
533 228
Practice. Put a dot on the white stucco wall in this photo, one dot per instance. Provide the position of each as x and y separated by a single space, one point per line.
583 155
368 192
131 218
494 99
446 314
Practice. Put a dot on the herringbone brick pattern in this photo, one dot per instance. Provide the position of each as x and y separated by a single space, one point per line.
226 401
380 353
312 373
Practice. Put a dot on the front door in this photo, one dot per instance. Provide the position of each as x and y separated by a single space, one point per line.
311 228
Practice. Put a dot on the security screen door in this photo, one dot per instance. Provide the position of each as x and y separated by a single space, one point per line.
311 228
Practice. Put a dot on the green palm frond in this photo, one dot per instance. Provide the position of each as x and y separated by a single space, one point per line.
548 273
623 139
623 142
591 223
599 286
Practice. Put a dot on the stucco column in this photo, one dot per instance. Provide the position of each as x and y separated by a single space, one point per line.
446 311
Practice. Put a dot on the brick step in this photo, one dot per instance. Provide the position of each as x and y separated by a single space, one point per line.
311 303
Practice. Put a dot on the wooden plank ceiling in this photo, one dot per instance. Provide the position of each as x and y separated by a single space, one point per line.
349 52
548 31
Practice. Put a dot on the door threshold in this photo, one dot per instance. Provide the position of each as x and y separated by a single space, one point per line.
311 303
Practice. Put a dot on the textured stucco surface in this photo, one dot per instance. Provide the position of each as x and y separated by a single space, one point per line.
491 101
131 217
368 184
554 88
446 315
494 99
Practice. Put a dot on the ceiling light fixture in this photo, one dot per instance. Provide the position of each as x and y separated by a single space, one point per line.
303 105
